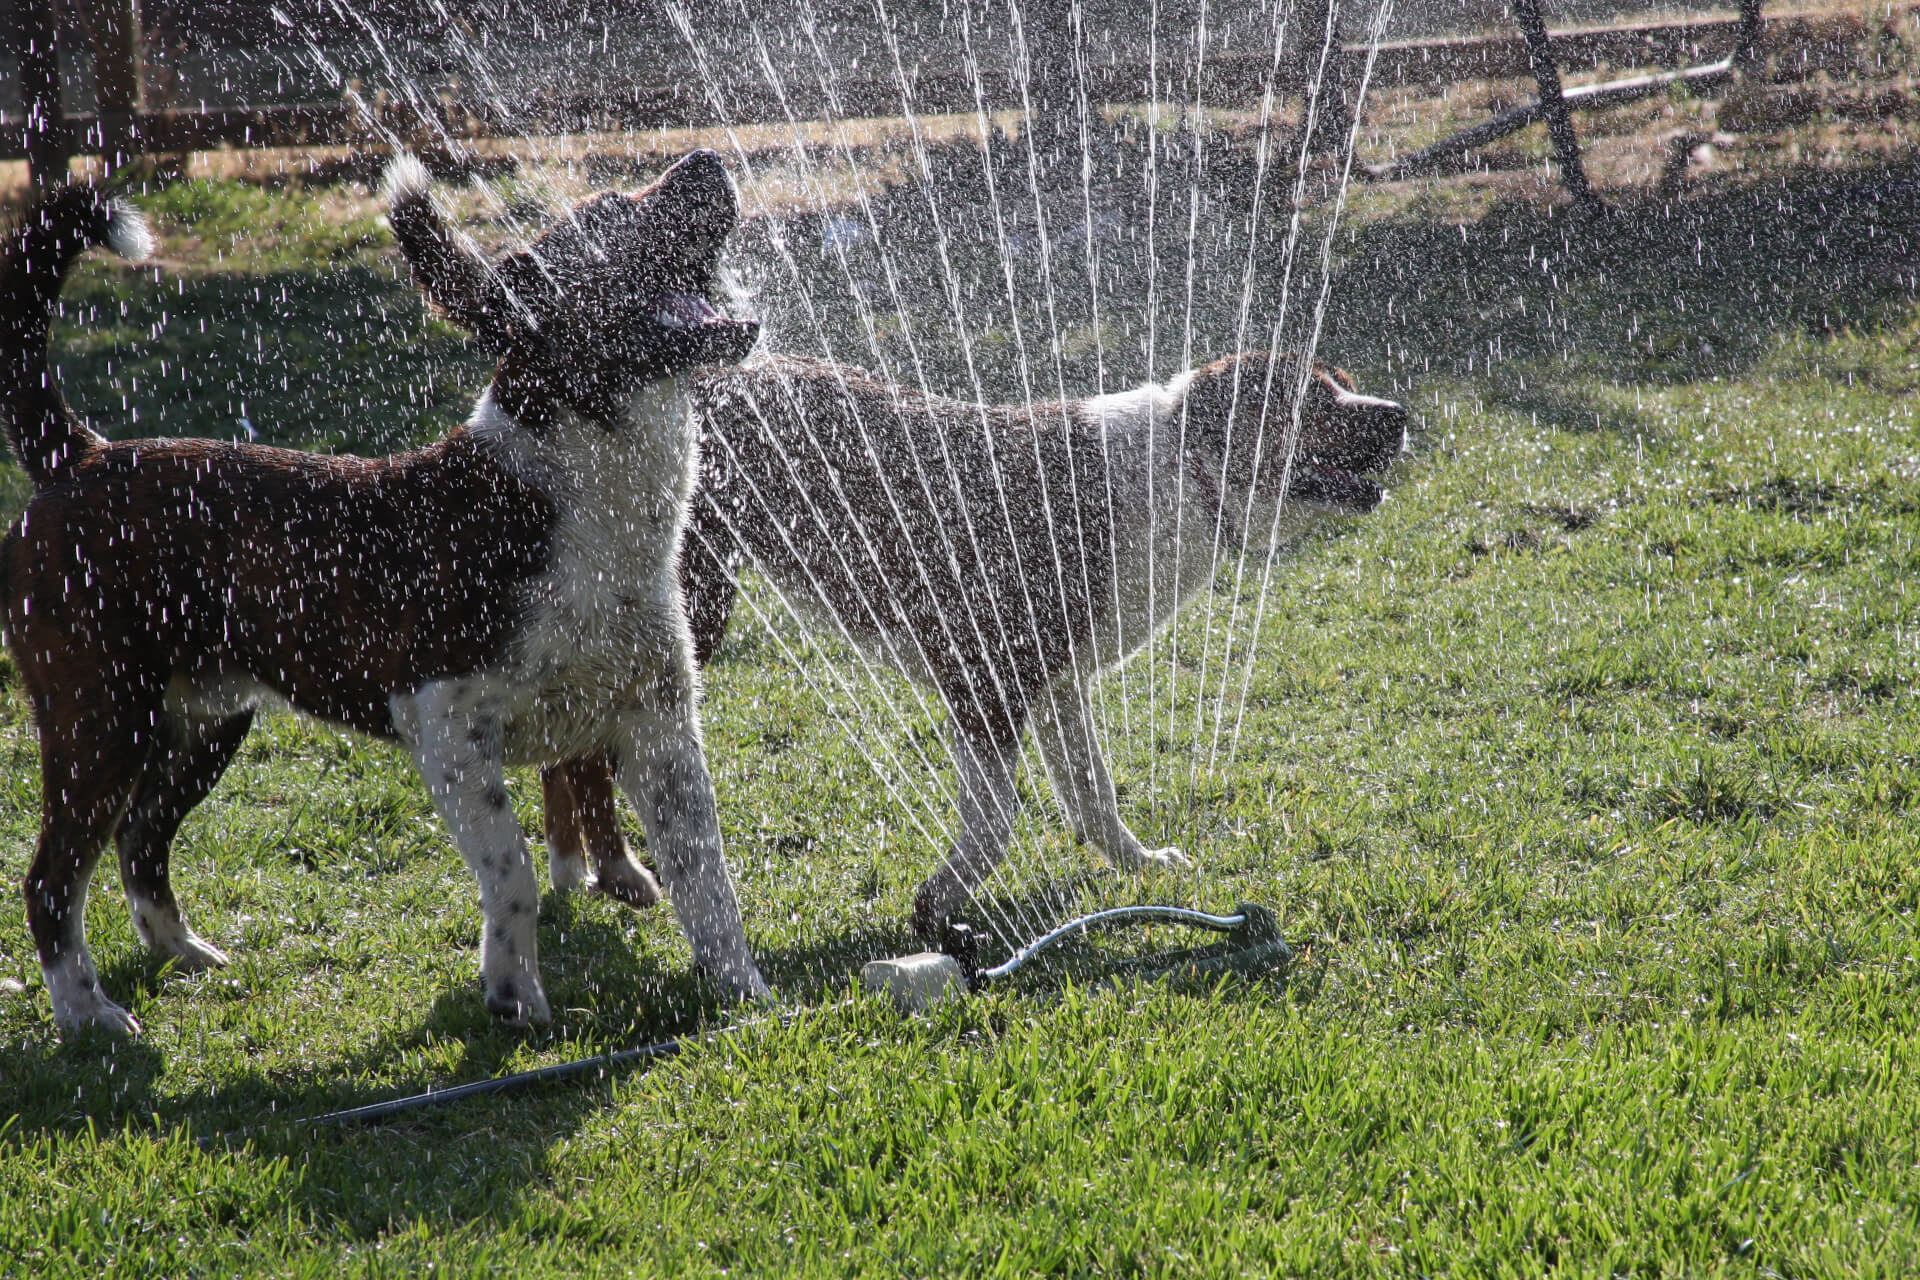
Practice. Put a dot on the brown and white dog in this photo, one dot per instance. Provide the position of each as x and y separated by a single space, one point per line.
507 594
1004 555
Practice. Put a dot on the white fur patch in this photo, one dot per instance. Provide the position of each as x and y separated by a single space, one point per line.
567 868
406 179
78 1002
455 726
128 233
166 932
602 625
1152 501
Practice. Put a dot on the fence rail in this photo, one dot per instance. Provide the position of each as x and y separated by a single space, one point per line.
1793 46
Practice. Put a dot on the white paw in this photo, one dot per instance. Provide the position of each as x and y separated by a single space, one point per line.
629 882
195 954
91 1010
567 871
166 932
519 1001
78 1002
1141 858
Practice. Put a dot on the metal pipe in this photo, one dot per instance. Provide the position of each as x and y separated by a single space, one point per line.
1104 919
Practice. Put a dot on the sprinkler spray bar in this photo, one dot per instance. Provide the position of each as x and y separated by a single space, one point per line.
1252 945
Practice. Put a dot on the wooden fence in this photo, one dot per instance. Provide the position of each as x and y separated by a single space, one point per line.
1793 47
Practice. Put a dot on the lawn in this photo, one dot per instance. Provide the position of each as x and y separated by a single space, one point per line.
1583 776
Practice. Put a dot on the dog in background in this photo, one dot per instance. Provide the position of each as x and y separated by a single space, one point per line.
506 594
1003 554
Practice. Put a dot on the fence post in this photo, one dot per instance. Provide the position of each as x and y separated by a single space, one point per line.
1746 45
39 51
115 27
1566 147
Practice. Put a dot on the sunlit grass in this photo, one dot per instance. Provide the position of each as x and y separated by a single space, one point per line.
1582 776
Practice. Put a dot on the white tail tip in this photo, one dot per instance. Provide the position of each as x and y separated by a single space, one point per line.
407 179
128 233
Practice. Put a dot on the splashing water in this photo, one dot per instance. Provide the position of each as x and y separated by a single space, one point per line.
1001 238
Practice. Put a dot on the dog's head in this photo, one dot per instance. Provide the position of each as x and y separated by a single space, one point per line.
617 292
1241 414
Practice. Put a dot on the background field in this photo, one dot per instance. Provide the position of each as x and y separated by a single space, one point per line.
1584 777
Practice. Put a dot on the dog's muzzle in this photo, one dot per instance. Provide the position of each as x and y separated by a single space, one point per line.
687 329
1332 487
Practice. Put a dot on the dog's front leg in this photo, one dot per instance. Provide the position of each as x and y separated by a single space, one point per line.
1063 720
988 804
457 746
658 762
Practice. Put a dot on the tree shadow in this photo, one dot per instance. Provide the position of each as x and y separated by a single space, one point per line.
1533 305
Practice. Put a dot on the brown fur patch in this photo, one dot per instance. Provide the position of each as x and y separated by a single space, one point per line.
333 581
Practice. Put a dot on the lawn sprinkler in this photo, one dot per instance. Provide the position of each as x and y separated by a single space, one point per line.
1252 945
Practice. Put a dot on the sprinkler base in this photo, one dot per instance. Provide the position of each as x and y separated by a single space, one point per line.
916 982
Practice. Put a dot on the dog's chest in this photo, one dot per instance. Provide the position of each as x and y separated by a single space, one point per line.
602 622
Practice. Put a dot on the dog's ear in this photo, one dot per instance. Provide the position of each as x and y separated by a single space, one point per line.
449 268
1231 400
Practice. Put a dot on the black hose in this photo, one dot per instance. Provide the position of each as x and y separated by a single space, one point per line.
1253 943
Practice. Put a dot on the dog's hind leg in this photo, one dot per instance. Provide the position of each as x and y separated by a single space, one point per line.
988 803
1063 720
567 867
87 776
188 758
661 767
583 824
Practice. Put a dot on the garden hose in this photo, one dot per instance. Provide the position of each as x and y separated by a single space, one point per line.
1252 945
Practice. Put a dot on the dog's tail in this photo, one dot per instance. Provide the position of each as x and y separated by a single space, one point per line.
35 258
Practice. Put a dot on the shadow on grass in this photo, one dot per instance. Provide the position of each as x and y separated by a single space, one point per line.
466 1161
1536 306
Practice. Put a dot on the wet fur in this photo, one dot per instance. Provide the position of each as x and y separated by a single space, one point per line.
1003 554
505 595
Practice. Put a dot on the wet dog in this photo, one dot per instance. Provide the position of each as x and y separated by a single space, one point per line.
506 594
1004 555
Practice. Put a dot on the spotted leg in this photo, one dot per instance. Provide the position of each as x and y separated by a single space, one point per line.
661 767
458 751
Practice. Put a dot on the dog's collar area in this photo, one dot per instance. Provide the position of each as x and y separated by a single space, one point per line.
1334 487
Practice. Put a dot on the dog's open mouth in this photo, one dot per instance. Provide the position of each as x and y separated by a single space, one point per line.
685 311
697 332
1333 487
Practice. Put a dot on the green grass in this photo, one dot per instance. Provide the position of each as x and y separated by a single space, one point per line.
1584 776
